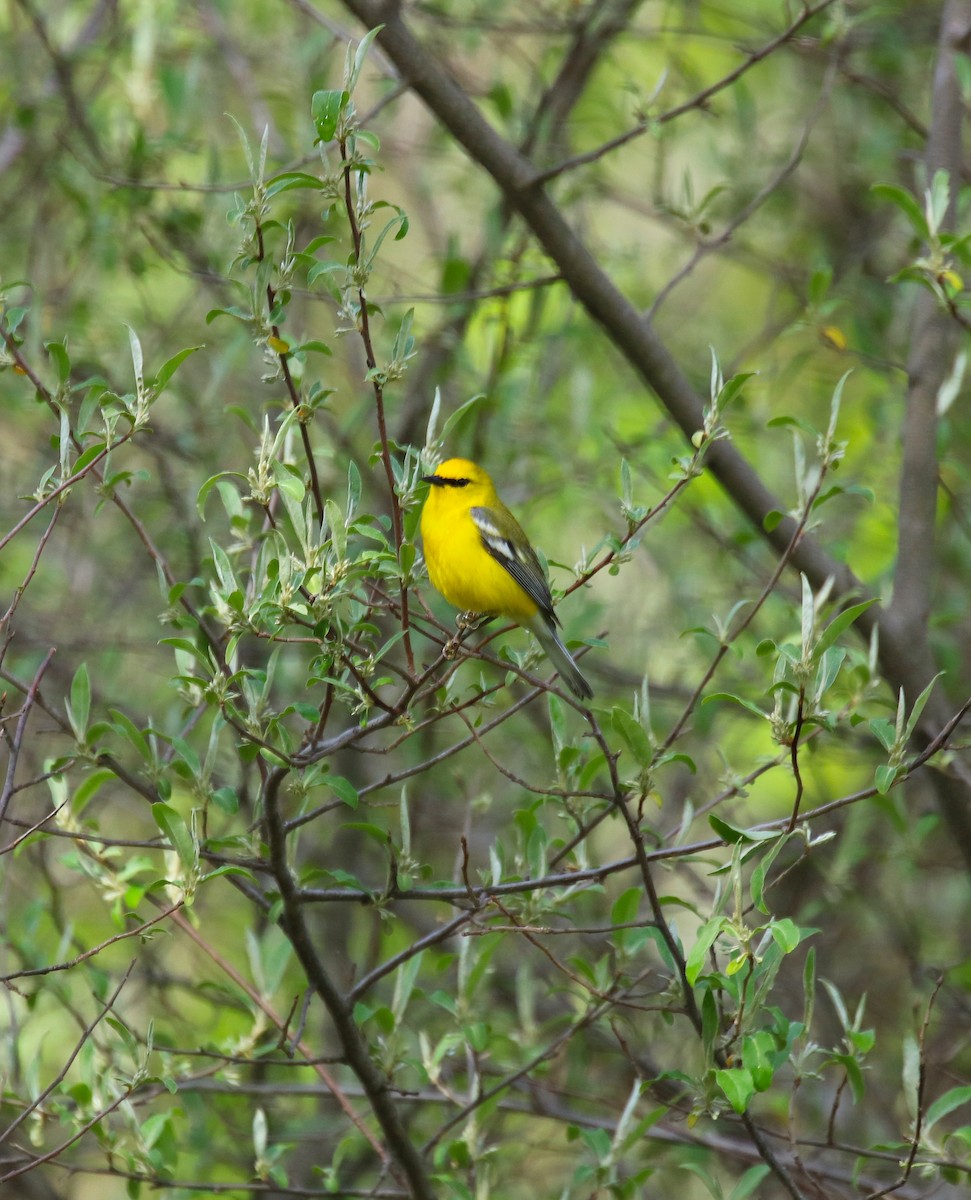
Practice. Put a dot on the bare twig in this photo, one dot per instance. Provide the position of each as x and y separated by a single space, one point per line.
699 101
18 737
908 1164
38 1101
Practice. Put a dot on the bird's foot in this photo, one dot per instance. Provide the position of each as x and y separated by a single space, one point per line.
467 620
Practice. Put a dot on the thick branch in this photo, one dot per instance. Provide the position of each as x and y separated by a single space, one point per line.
355 1051
623 323
929 363
907 657
649 356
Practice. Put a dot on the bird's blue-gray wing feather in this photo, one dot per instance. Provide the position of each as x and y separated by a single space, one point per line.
520 561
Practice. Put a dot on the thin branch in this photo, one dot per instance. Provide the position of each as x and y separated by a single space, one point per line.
18 738
710 245
699 101
664 854
89 469
784 559
31 571
364 328
59 1078
911 1159
794 757
318 1065
92 951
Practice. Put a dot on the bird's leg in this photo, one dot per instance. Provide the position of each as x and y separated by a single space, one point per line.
466 622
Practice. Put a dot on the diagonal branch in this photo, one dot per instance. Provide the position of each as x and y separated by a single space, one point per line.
516 176
699 101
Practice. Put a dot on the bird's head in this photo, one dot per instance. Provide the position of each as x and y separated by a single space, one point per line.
461 474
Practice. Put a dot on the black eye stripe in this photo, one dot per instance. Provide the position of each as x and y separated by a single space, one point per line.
444 481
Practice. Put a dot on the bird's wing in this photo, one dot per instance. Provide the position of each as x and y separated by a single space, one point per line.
519 560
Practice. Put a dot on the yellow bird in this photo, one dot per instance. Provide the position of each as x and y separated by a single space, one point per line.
481 561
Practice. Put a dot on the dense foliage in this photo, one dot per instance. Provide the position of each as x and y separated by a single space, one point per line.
306 892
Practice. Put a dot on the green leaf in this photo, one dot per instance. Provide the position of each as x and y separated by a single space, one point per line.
223 567
709 1024
911 1075
712 1185
354 486
733 388
809 987
373 831
884 777
363 46
830 664
326 108
137 358
749 1181
730 696
558 724
226 799
915 712
907 205
884 731
819 285
344 790
240 314
61 360
598 1142
738 1086
79 706
841 623
633 734
89 456
936 200
170 366
787 422
732 834
452 421
946 1104
259 1134
189 648
404 984
337 526
808 615
313 346
289 482
288 180
761 871
787 934
653 934
854 1075
626 906
759 1058
173 826
88 788
127 727
703 943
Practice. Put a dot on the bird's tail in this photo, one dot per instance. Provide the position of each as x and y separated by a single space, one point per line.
560 657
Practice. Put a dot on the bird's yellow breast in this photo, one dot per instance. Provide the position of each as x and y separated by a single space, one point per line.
460 567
